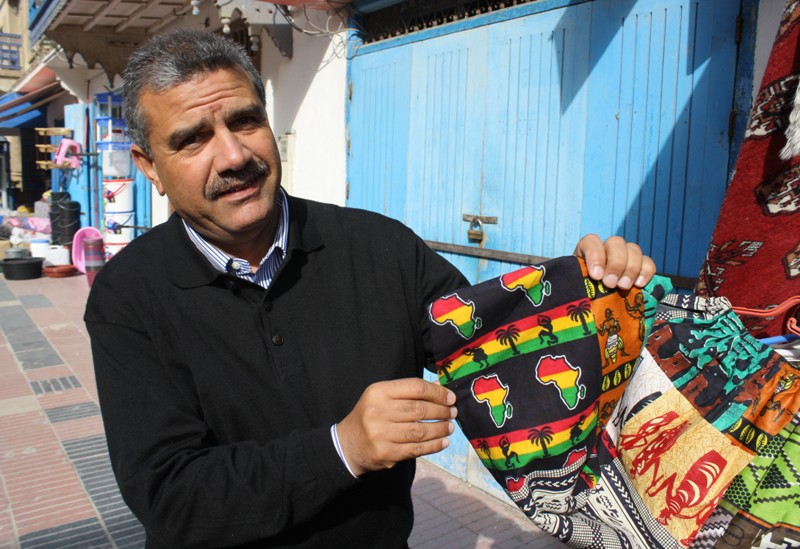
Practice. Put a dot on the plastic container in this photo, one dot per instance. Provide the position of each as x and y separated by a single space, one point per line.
77 245
58 271
112 249
23 268
93 258
110 128
40 247
16 252
118 227
65 221
58 254
118 195
115 158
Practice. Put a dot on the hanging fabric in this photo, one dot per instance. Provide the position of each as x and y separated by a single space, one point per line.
622 418
754 255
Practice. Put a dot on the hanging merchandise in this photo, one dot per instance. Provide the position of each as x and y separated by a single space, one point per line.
115 159
118 227
118 189
117 195
754 255
618 419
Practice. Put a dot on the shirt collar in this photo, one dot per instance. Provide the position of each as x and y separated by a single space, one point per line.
223 262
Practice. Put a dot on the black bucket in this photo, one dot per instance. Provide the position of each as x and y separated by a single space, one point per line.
23 268
65 220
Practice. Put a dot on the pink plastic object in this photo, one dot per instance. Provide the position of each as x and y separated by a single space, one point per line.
77 245
67 147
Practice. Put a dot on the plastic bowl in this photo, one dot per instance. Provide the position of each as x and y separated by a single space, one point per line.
23 268
77 245
58 271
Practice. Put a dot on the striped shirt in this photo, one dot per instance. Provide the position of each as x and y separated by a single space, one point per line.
241 268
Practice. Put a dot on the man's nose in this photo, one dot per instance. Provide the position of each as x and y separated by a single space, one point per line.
231 154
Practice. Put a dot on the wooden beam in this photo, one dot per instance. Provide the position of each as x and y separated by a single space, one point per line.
99 15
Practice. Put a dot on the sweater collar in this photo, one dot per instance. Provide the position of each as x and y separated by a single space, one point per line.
189 268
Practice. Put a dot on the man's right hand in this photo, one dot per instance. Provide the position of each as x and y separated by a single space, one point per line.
394 421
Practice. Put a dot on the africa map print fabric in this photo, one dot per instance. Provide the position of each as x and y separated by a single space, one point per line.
623 419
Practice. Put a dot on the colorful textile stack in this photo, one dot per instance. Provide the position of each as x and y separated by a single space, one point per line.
608 437
754 255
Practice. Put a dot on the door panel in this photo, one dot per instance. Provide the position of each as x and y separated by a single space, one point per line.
378 138
657 144
534 134
609 116
445 156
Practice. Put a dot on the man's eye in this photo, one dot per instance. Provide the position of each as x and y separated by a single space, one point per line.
246 121
189 141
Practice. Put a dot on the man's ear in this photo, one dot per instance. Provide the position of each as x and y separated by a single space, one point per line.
147 167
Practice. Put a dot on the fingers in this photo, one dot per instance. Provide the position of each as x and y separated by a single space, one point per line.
417 389
616 262
394 421
591 249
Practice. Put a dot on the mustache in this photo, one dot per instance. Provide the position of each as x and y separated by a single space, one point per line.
230 180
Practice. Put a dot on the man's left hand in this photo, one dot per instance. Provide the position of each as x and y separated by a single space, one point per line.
617 263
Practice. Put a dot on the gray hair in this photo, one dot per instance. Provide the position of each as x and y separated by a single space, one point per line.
168 60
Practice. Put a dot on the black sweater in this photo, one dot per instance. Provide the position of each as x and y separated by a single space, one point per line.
217 395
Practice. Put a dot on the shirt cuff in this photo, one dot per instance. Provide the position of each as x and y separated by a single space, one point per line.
335 437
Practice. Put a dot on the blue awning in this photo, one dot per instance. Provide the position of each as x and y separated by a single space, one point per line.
28 110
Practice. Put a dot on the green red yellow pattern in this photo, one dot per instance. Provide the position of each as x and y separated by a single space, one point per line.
565 327
550 439
492 391
457 312
557 371
530 280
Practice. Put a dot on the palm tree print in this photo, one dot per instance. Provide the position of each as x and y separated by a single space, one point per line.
445 368
541 437
581 312
508 337
483 447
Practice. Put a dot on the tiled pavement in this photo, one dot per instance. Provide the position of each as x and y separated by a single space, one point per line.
56 486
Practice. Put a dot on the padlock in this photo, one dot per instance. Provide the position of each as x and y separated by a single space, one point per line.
475 231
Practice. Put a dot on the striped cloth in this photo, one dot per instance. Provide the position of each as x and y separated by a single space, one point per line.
241 268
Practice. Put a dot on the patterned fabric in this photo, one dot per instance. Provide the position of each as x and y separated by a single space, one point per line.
623 419
754 255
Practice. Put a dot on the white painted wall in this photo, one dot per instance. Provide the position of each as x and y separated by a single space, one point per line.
769 18
306 98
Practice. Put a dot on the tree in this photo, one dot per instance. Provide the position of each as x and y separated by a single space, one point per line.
581 312
445 367
483 447
541 437
509 336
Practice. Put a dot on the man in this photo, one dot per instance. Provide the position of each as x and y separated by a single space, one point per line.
258 356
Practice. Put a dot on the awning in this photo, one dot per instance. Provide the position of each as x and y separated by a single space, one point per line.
26 110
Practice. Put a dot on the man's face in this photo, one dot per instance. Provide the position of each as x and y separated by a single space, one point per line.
213 155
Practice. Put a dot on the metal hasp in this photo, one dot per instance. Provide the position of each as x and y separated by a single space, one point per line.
484 219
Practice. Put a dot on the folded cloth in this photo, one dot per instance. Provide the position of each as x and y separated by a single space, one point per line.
603 440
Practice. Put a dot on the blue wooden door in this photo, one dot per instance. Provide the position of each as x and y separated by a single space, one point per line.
534 124
446 153
558 118
657 134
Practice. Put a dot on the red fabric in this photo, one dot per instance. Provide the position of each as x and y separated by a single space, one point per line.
754 256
